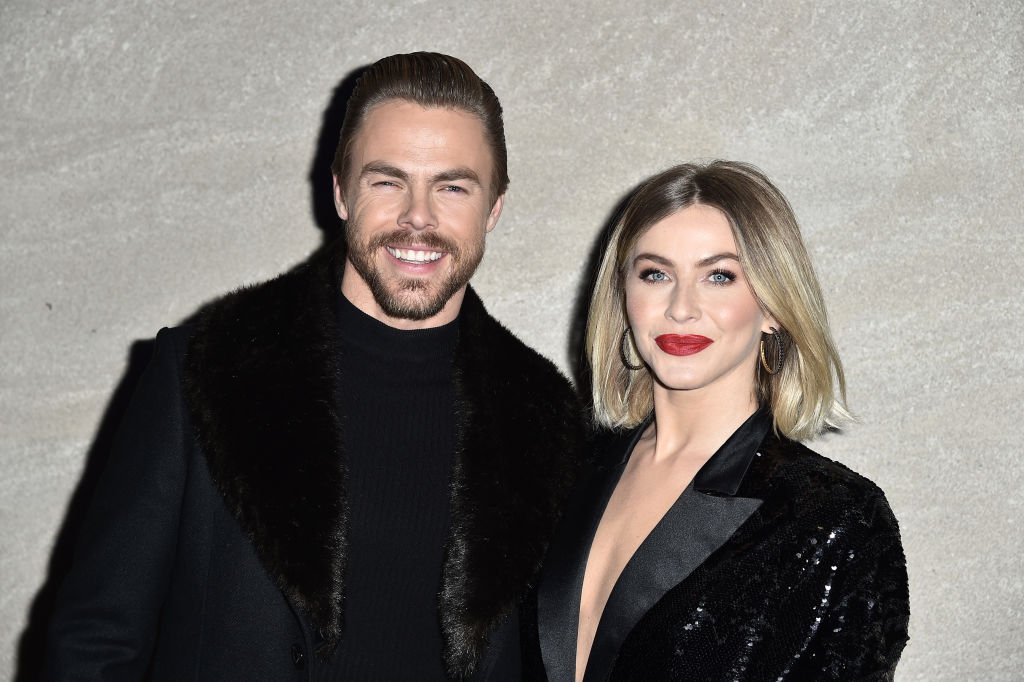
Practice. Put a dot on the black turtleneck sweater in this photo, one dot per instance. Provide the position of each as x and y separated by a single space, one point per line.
397 405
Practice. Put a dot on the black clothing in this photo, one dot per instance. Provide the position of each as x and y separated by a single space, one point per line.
218 541
400 437
774 563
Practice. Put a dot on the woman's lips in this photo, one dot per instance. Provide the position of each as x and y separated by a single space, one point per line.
675 344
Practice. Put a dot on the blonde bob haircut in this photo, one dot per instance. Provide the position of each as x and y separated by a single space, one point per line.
808 393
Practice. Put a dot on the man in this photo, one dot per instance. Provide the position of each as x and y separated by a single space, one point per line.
351 471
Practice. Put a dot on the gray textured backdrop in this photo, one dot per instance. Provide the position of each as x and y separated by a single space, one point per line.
156 154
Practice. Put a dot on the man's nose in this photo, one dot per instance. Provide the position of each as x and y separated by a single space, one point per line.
418 213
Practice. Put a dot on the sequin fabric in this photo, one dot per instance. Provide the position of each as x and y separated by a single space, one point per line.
813 586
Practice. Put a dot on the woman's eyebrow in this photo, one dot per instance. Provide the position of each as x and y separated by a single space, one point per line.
711 260
702 263
661 260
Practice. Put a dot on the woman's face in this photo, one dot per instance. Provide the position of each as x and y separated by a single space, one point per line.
694 317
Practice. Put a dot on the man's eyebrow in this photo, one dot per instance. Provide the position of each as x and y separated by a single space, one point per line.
381 168
461 173
450 175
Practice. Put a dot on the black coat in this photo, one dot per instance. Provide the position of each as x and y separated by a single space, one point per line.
216 544
774 564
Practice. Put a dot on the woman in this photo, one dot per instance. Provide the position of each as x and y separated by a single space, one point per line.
710 544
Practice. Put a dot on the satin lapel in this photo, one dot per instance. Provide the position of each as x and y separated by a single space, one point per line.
701 520
561 583
693 528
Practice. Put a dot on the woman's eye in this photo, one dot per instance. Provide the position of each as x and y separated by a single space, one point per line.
721 277
652 275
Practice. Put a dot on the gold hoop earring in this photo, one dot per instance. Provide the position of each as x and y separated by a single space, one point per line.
778 353
624 352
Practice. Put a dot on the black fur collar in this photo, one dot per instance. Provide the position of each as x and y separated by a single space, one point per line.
260 375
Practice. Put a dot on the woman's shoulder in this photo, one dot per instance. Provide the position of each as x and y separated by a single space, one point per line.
791 471
792 459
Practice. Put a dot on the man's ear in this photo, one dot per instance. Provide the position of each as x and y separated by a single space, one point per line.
492 217
339 200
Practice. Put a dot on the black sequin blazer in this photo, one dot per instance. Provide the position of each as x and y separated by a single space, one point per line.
774 564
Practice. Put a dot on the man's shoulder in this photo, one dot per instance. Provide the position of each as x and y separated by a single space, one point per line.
287 312
267 304
491 342
174 339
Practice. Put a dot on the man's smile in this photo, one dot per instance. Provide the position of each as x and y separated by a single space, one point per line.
414 255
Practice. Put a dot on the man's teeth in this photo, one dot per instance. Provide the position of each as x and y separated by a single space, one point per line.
414 256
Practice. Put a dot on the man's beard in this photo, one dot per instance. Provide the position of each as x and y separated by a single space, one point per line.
414 298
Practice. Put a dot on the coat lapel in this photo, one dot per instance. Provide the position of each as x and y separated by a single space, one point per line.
516 461
699 522
558 595
261 378
694 527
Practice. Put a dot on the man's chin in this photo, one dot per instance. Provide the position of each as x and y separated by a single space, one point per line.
416 304
412 298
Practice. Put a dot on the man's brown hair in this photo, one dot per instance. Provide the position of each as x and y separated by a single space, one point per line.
430 80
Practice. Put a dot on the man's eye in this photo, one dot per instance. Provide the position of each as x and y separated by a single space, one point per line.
454 189
652 275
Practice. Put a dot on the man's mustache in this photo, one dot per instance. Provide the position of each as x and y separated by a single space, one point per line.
406 239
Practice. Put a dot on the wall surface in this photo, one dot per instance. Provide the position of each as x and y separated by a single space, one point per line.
156 154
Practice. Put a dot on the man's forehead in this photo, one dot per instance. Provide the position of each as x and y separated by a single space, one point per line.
401 128
403 113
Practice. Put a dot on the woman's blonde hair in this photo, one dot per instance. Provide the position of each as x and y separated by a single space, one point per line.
808 393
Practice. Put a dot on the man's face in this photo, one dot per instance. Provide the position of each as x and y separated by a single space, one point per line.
417 207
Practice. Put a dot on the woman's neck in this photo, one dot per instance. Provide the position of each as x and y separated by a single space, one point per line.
694 424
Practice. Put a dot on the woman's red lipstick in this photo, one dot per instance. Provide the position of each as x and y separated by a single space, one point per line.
675 344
